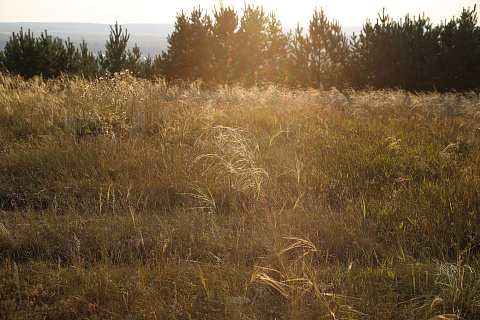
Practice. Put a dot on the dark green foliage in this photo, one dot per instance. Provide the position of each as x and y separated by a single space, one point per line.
133 58
249 50
276 52
115 57
150 67
223 46
88 63
189 56
251 45
321 55
54 57
70 57
20 55
253 49
396 54
201 54
300 52
413 55
459 63
329 51
118 58
45 56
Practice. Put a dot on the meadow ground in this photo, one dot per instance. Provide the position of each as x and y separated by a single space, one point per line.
121 198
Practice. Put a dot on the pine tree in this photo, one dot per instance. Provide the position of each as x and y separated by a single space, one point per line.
201 52
175 60
328 51
88 63
132 62
70 58
413 55
20 55
276 52
149 68
45 56
2 62
115 57
299 57
417 54
223 44
189 56
49 51
375 53
460 52
251 45
56 57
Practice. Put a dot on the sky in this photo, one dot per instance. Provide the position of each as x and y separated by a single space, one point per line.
346 12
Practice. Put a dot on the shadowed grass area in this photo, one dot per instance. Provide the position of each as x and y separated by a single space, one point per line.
122 198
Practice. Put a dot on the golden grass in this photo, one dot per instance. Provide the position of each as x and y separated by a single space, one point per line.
123 198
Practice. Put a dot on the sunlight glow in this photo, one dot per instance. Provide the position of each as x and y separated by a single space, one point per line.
347 12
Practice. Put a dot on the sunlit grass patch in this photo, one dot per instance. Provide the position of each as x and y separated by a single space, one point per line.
127 198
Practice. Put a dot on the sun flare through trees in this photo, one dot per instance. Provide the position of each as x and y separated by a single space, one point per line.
252 48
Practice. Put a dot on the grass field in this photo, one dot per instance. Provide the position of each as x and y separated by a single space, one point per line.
122 198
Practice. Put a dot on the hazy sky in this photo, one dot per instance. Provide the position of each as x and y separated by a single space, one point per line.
347 12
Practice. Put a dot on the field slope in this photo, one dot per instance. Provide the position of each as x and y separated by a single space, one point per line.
122 198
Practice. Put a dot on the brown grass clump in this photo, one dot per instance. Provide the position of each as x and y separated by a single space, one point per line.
123 198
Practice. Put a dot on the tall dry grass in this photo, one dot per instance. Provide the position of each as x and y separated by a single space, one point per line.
122 198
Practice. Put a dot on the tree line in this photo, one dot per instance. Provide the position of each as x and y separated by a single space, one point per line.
253 49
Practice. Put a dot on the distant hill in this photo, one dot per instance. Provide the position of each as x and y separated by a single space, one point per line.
150 38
